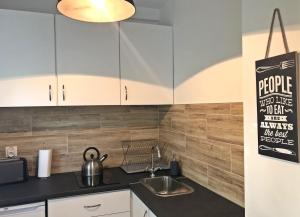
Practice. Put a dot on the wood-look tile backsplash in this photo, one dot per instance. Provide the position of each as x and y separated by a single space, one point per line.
70 130
206 138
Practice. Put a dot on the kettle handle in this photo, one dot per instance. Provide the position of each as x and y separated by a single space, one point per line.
103 158
91 148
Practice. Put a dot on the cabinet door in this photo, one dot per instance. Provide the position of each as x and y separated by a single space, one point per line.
27 59
32 210
123 214
138 208
146 64
151 214
87 63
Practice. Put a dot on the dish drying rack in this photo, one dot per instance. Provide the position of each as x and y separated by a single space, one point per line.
137 156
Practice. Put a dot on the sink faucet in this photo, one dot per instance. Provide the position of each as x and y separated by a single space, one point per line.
153 169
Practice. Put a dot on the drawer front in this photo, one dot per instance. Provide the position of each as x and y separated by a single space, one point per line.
123 214
28 210
90 205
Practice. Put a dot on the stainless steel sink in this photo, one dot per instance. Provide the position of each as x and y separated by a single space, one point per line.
166 186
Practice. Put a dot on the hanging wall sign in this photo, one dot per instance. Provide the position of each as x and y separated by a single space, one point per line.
276 87
277 103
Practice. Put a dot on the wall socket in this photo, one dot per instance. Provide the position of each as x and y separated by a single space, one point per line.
11 151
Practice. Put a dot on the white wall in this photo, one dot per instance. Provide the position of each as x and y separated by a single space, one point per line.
272 186
207 49
149 14
167 13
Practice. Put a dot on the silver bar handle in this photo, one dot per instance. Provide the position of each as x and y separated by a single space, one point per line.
50 93
145 214
126 93
93 206
63 93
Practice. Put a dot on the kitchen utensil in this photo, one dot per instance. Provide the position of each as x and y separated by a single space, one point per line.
278 150
92 168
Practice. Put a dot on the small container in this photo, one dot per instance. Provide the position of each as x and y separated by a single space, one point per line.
174 167
44 163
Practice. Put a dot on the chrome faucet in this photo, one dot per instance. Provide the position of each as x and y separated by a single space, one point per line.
153 169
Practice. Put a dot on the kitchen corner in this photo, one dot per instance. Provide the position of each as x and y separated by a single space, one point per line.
147 108
201 203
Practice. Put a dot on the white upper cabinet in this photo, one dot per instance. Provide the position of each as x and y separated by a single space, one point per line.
87 63
146 64
27 59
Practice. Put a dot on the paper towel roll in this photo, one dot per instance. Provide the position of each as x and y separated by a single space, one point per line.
44 166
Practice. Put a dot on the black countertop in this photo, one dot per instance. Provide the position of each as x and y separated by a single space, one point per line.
201 202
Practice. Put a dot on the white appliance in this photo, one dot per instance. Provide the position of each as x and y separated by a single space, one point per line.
29 210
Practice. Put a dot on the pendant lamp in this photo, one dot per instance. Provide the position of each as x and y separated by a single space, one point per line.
101 11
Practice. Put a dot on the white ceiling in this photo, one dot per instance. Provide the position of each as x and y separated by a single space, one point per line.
49 6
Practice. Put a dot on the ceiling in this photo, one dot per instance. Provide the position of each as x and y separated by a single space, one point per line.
49 6
155 4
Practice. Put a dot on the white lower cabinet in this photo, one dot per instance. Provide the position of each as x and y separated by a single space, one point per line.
116 204
151 214
27 210
124 214
138 208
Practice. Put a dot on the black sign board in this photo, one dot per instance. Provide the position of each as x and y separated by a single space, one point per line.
276 89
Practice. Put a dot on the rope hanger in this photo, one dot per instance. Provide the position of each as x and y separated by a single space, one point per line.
277 11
